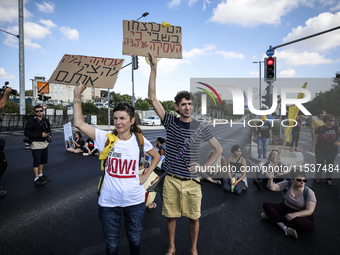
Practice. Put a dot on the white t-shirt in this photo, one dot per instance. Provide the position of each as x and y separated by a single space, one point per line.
121 182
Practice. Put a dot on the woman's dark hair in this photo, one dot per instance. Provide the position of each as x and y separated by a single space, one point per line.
130 110
270 155
161 140
79 134
320 112
235 148
297 173
327 117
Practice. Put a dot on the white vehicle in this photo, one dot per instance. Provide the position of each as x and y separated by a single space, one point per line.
151 121
101 105
204 120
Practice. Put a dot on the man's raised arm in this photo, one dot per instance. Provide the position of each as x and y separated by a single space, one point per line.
157 106
3 100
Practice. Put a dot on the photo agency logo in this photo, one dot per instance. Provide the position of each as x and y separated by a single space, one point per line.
243 95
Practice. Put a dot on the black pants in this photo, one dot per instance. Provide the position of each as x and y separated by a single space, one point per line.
3 163
325 159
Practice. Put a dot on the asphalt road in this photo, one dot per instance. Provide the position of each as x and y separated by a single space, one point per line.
61 216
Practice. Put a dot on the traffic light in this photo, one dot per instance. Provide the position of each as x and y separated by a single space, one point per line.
270 69
135 62
42 97
267 98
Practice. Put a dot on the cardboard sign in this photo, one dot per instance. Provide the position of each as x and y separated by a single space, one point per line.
143 37
91 71
68 135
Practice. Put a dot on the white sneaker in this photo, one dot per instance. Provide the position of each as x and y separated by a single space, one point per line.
85 154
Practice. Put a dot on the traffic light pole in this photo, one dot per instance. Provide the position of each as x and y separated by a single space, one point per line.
304 38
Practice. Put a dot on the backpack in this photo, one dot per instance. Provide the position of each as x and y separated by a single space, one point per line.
110 142
305 190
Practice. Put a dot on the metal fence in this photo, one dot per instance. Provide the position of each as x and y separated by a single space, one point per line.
16 122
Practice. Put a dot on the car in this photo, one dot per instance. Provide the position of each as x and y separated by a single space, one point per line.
101 105
204 120
151 121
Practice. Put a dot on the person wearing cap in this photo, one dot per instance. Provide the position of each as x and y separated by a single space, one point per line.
264 136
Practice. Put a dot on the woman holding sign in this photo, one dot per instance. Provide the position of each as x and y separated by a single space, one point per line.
122 192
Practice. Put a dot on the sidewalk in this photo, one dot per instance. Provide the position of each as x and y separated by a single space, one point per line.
287 156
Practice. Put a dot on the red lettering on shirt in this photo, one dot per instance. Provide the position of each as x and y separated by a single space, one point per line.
118 169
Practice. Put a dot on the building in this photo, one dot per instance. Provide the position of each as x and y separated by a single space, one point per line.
63 94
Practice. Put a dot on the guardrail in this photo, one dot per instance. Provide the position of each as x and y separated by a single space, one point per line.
16 122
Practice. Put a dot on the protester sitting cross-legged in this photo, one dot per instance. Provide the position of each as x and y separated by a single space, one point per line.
122 192
216 170
237 180
89 148
295 213
78 143
273 164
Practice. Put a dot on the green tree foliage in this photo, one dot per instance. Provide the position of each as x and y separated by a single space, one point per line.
327 100
142 104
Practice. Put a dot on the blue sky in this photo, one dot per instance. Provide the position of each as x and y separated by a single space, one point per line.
221 39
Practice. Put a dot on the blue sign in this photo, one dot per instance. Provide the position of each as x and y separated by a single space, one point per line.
270 52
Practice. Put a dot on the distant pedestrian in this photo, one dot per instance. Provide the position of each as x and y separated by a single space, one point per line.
264 136
159 146
39 132
296 134
295 213
317 123
325 146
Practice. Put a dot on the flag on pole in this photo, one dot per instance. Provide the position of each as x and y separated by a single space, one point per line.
245 101
292 113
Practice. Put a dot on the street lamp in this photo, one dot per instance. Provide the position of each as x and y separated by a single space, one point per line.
133 61
260 81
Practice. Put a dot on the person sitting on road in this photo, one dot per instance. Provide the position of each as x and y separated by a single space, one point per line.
78 143
281 170
159 145
296 211
89 148
236 175
220 163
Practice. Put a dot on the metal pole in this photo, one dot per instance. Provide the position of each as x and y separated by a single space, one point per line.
21 59
108 107
133 83
260 83
304 38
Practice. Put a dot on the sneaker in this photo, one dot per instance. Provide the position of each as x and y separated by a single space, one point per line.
39 182
44 177
264 216
291 232
259 157
85 154
2 192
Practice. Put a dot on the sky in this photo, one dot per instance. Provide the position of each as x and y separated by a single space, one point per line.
220 39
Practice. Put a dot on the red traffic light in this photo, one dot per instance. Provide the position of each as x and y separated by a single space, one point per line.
270 61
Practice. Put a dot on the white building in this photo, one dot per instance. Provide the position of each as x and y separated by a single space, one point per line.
63 94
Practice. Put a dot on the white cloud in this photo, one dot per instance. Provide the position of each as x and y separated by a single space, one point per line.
164 66
9 11
33 31
207 48
229 54
321 43
293 57
205 4
174 3
4 75
69 33
48 23
249 13
254 74
335 8
287 73
191 2
45 7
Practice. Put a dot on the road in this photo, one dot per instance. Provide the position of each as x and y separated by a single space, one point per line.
61 216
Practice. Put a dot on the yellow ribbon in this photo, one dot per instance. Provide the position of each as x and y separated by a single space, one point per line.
166 24
104 153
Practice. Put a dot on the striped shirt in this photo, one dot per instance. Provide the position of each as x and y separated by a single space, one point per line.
177 135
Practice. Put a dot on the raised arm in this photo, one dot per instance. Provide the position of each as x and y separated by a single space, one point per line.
3 100
157 106
78 113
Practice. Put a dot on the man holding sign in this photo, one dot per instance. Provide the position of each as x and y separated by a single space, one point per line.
182 190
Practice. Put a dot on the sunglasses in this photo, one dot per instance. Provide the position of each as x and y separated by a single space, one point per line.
39 110
301 180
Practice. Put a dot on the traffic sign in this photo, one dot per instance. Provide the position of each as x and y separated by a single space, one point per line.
44 106
43 87
270 52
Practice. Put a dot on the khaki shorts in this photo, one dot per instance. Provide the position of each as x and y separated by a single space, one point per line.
181 198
